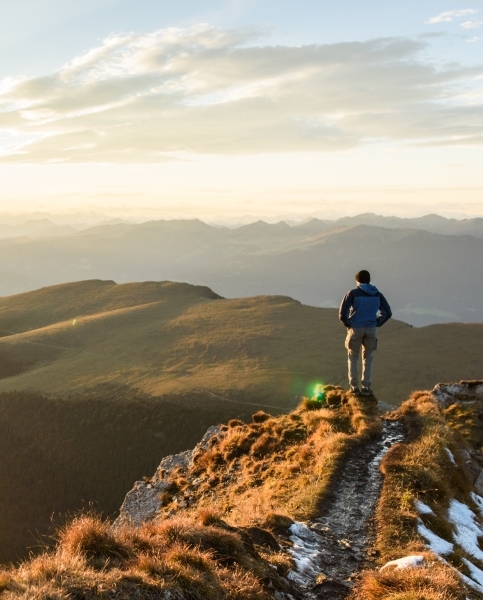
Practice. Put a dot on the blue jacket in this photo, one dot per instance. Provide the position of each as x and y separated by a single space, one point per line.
364 306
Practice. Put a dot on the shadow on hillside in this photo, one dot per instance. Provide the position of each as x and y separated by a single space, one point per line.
60 455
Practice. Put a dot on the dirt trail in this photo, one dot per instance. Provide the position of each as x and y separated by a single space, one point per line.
330 550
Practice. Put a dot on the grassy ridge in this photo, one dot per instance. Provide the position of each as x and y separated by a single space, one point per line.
222 529
283 464
195 553
421 469
167 338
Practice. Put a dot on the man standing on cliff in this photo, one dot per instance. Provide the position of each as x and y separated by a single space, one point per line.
363 309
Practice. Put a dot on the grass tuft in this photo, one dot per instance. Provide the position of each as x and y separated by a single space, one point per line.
91 537
311 404
435 582
277 523
260 417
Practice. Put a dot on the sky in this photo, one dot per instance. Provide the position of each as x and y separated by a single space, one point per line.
233 109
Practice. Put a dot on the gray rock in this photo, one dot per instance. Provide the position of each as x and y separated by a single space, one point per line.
184 459
210 432
384 407
446 394
473 470
479 484
168 463
142 503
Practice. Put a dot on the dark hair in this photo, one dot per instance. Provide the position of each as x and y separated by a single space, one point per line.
363 277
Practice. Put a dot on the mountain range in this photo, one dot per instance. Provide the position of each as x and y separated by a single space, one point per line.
427 275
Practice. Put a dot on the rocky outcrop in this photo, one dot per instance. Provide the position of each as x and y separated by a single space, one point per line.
464 393
144 501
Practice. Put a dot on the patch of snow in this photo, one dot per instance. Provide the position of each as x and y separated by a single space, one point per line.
450 456
469 582
475 573
404 563
467 530
423 509
478 500
435 543
304 552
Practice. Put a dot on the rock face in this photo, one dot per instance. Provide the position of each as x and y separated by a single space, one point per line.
464 393
144 501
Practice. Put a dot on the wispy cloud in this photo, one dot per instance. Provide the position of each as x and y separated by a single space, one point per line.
140 98
471 24
450 15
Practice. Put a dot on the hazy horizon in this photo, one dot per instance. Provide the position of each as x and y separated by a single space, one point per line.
94 215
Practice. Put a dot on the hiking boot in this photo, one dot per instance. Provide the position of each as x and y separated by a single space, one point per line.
366 391
355 391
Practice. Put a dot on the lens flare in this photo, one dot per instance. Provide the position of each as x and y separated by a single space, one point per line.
316 391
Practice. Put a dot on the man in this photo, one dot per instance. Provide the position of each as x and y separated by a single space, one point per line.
362 310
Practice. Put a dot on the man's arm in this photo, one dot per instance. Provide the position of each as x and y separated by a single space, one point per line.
345 309
385 311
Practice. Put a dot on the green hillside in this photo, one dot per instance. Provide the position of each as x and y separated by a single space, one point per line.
170 339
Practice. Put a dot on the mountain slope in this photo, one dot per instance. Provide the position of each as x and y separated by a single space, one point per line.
223 521
167 338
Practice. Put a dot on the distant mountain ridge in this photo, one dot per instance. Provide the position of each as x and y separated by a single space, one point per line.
428 277
433 223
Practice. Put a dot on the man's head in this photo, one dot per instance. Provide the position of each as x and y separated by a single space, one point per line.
363 277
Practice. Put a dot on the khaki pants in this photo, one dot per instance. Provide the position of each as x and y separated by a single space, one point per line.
357 337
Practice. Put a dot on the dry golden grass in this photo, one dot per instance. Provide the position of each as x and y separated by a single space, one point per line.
181 556
418 469
435 582
212 539
254 475
275 465
100 444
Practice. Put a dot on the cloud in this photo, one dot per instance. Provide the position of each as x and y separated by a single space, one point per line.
471 24
141 98
451 15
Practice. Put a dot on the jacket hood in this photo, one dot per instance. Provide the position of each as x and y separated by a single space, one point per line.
368 288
